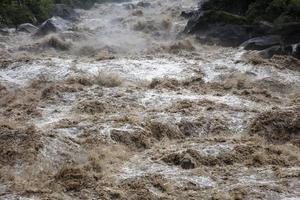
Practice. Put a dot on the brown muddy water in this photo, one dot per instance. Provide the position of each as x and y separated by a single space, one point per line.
121 107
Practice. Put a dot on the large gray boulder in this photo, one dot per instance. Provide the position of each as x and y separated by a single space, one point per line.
53 25
27 28
290 32
65 12
260 43
226 35
271 51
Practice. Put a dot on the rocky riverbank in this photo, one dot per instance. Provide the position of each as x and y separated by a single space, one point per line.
271 27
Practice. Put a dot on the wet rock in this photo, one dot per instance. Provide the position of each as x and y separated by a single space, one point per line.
4 31
260 43
266 26
227 35
27 28
188 14
203 20
289 32
271 51
65 12
187 162
296 50
143 4
53 25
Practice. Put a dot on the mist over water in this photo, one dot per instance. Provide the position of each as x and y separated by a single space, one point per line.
130 28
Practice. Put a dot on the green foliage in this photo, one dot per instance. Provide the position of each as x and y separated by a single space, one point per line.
233 6
275 11
212 16
15 12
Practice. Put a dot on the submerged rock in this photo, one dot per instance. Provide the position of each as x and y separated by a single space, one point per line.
53 25
65 12
269 52
27 28
143 4
260 43
296 50
4 31
226 35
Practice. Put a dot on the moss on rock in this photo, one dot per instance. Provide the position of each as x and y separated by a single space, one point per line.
216 17
275 11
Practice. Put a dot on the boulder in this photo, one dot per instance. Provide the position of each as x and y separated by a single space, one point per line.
226 35
290 32
53 25
296 51
143 4
202 20
65 12
27 28
187 162
188 14
271 51
260 43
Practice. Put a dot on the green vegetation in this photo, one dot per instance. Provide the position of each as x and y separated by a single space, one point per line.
274 11
15 12
212 16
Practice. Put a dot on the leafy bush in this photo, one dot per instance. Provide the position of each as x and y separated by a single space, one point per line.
275 11
15 12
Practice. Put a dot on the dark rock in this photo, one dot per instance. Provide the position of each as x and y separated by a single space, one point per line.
187 162
65 12
53 25
266 26
260 43
143 4
202 20
291 50
188 14
27 27
226 35
222 28
296 51
271 51
290 32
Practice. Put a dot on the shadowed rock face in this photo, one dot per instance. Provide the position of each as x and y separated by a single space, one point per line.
53 25
229 23
65 12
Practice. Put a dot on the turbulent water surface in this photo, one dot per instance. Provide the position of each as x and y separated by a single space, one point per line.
121 105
